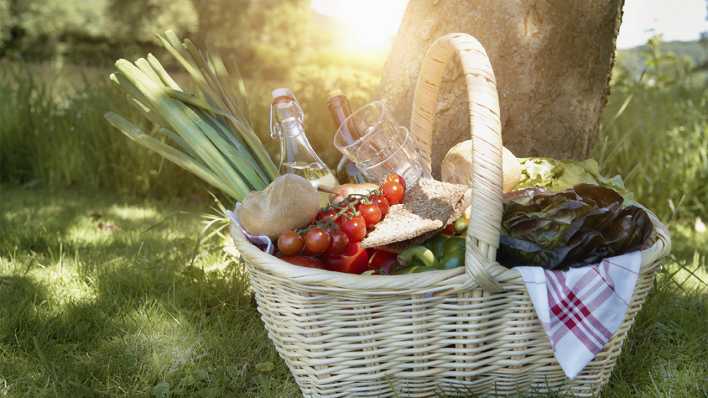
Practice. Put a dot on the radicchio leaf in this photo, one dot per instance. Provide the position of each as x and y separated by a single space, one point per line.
572 228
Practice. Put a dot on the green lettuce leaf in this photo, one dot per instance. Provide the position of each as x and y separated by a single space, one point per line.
559 175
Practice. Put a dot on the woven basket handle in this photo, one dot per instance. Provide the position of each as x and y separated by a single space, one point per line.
485 127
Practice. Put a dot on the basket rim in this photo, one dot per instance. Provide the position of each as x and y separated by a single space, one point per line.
423 282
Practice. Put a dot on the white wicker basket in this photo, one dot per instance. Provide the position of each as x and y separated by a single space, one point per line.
470 330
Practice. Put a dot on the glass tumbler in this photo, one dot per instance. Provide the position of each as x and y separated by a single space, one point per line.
383 147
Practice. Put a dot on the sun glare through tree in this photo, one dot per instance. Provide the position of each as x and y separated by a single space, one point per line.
366 25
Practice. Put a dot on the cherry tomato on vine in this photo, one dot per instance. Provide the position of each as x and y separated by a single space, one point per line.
340 240
349 213
354 227
317 241
327 215
396 178
382 203
371 214
393 191
290 243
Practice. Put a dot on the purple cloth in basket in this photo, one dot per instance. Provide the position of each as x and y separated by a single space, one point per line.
261 241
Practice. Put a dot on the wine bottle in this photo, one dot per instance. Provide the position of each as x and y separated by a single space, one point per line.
340 110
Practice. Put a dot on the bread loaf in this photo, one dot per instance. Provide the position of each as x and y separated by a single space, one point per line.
289 202
457 166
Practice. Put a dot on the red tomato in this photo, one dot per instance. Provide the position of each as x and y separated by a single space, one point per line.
393 191
382 261
396 178
290 243
354 260
354 227
304 261
340 240
317 241
382 203
371 214
327 215
347 214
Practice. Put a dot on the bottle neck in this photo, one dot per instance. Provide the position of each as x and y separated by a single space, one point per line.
286 117
340 110
291 127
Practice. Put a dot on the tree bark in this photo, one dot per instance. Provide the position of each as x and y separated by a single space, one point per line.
552 61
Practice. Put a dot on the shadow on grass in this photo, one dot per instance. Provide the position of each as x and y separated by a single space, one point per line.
18 295
35 221
50 346
139 310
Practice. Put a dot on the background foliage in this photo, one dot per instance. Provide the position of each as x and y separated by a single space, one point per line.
87 32
655 130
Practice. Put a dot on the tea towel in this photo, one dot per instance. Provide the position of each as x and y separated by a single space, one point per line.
581 308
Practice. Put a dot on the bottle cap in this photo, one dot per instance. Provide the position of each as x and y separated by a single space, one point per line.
282 92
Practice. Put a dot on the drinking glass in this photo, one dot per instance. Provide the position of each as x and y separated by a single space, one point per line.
382 147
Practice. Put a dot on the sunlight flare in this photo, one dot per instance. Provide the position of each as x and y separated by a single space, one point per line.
365 25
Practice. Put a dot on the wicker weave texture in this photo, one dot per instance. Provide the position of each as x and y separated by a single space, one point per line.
466 331
417 345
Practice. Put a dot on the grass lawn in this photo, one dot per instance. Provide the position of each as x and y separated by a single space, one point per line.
106 296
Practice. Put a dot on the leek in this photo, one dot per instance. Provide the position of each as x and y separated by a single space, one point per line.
207 133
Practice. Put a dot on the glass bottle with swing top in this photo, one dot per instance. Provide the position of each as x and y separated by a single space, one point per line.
296 154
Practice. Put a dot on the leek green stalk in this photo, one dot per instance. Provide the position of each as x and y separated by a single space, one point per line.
207 133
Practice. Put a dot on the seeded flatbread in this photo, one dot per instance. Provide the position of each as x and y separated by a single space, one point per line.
428 207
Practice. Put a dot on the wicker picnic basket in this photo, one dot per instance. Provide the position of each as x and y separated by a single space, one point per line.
466 331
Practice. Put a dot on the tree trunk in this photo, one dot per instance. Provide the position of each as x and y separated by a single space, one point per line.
552 61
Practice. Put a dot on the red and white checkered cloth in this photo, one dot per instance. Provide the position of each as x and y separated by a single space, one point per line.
582 308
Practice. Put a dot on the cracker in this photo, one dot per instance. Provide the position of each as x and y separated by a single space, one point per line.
428 207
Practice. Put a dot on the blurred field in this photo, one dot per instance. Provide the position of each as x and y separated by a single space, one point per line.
107 288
